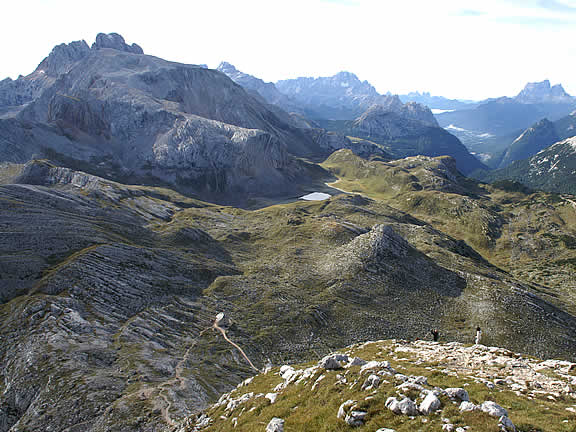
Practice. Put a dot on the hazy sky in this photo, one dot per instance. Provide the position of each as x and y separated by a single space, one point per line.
455 48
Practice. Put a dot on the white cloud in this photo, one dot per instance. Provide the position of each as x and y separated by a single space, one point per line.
457 48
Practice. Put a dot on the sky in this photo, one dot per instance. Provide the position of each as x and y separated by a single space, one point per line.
463 49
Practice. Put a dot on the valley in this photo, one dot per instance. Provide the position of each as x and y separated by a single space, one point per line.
169 230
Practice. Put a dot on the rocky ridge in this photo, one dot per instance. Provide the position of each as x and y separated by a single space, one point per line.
399 385
552 169
532 140
344 97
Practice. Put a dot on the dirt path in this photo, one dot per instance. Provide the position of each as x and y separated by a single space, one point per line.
221 330
177 379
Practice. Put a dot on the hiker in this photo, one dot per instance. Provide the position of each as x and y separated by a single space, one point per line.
478 335
435 334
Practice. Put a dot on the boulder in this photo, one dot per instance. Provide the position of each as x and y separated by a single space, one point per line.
410 386
344 408
286 371
375 365
457 393
275 425
493 409
271 397
355 418
506 424
373 381
468 406
386 430
406 406
356 361
333 361
430 404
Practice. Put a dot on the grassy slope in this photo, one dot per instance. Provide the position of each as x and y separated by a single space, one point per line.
308 409
532 235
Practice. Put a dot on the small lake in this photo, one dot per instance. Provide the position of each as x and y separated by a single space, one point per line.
315 196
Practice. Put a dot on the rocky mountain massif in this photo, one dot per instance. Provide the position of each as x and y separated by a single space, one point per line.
403 137
119 113
399 386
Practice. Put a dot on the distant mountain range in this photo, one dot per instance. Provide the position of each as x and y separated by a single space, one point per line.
347 106
505 115
489 128
437 102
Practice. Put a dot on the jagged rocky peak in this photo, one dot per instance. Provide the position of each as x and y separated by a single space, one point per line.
543 92
245 80
227 68
117 42
62 57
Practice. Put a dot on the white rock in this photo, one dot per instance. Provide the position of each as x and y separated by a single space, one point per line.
457 393
448 427
286 371
233 403
408 407
373 381
468 406
356 361
430 404
275 425
271 397
386 430
375 365
506 424
493 409
344 408
333 361
355 418
421 380
410 386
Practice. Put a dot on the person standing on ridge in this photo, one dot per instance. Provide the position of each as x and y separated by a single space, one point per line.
478 336
435 334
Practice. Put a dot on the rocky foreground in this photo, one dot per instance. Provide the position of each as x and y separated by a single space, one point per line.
395 385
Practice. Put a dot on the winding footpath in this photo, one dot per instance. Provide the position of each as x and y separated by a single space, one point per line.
177 379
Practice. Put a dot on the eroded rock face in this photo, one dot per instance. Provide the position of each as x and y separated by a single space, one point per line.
115 41
147 118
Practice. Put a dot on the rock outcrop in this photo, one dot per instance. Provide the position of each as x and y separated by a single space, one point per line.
427 402
115 41
542 92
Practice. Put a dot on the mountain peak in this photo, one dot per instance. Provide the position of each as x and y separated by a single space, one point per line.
542 92
227 68
346 76
62 57
115 41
